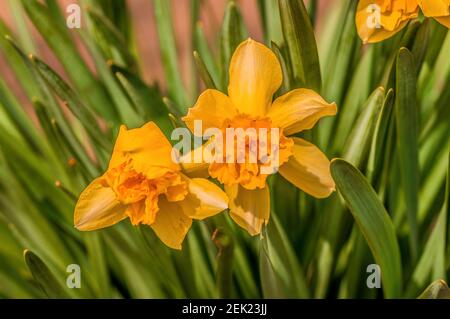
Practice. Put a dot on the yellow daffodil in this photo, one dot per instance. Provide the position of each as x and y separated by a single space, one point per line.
144 184
437 9
255 76
377 20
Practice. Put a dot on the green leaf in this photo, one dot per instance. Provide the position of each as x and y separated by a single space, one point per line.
225 254
62 143
407 140
373 221
63 46
19 117
232 33
106 32
44 277
358 143
203 72
203 49
286 85
379 140
437 290
15 61
299 37
147 100
72 100
281 273
169 53
433 261
420 46
270 15
356 95
342 59
122 104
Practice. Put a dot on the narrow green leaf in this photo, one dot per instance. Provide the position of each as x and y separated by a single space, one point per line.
203 71
44 277
58 38
122 104
420 46
358 143
379 140
270 15
437 290
19 117
224 272
373 221
281 273
15 61
117 49
62 89
407 140
24 35
432 262
232 33
342 59
169 53
299 37
203 49
146 100
287 85
337 128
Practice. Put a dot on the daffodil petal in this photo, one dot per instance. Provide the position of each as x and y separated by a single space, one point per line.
255 76
299 110
250 209
98 207
435 8
171 224
212 108
309 169
204 199
147 147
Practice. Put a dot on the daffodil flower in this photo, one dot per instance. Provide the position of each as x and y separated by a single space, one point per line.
145 185
255 76
377 20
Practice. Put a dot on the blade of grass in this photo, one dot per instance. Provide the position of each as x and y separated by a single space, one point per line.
374 223
281 273
299 37
44 277
407 140
164 25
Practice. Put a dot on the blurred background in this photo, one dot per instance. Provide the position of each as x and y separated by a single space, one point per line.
147 37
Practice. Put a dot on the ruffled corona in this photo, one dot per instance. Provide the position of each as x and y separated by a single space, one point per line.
249 173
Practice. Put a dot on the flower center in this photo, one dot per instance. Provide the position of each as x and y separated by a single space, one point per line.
254 150
142 194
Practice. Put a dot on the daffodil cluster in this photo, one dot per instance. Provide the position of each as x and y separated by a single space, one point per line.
144 184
